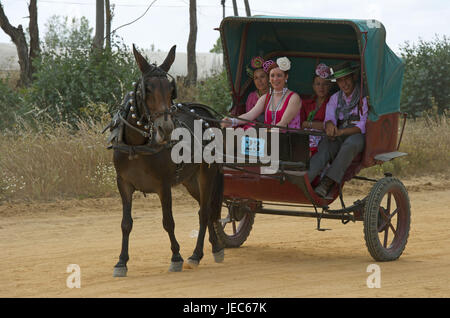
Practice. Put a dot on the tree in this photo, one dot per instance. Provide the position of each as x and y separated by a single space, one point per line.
235 8
191 78
426 84
247 8
17 36
109 16
99 37
222 2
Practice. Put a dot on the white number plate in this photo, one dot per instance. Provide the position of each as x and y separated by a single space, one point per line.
252 146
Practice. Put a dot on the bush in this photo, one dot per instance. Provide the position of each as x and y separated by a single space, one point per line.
71 77
10 104
426 82
215 92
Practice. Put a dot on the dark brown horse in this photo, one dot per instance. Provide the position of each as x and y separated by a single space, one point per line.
143 162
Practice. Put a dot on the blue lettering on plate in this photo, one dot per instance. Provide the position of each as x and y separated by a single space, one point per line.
252 146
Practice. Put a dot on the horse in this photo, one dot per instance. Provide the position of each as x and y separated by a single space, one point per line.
142 160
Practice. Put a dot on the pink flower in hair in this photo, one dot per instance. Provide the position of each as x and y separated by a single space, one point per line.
257 62
267 64
323 71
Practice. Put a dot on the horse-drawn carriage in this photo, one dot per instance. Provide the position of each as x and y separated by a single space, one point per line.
143 129
385 211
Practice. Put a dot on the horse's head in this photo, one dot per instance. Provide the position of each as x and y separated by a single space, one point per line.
155 93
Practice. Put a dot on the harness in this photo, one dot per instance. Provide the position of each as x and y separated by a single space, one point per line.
137 103
134 102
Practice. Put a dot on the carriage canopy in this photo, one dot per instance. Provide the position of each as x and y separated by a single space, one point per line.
307 42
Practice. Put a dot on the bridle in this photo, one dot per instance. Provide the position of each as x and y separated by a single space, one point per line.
139 109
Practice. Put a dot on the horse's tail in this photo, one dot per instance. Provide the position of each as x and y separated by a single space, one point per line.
217 195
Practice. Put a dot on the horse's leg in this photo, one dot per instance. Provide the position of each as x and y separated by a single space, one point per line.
215 207
165 195
205 192
197 255
126 192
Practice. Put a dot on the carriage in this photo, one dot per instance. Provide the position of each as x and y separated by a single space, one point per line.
385 211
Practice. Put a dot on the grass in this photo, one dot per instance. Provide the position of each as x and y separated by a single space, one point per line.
57 162
427 143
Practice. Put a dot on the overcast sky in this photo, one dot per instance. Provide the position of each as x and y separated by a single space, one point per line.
167 21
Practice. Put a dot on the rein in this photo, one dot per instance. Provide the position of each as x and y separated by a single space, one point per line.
137 101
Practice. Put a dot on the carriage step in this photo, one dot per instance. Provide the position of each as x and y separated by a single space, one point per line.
389 156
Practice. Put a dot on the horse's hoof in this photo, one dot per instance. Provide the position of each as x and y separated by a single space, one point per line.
191 264
120 272
219 256
176 266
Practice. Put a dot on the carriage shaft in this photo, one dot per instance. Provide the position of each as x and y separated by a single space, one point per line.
305 214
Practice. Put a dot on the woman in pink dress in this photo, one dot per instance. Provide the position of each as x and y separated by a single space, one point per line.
280 105
260 79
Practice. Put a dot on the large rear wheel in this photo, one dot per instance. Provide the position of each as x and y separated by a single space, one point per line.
234 229
387 218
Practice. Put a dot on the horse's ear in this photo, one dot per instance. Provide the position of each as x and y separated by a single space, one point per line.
141 61
169 59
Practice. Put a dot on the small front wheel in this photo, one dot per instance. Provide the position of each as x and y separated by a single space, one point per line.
234 229
387 218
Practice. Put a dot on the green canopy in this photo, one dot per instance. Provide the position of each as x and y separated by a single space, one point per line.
307 42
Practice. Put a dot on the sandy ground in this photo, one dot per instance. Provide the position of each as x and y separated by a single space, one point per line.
283 256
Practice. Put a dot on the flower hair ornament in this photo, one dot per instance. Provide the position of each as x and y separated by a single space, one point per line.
284 64
323 71
256 63
268 65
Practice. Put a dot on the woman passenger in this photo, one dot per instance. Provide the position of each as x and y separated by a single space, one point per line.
260 79
280 105
313 111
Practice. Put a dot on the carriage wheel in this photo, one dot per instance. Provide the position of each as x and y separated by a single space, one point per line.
234 229
387 218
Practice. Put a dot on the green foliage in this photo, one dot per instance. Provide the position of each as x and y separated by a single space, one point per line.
215 92
10 102
217 48
426 83
70 76
64 37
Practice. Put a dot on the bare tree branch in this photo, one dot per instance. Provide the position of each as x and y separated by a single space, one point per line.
191 55
99 24
34 33
18 38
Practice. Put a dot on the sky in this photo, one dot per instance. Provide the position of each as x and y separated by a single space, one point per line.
166 23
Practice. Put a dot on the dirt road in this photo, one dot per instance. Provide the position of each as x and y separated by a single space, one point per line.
283 257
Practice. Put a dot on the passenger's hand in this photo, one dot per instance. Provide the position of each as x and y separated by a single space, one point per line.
330 129
226 122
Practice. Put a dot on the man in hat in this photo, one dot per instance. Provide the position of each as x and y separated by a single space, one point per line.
345 126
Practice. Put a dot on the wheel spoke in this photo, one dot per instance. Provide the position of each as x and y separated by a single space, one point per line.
388 210
385 217
392 228
393 214
386 232
386 220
